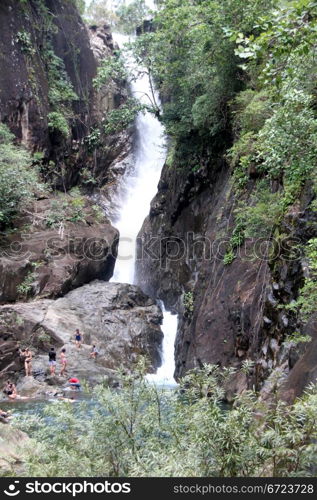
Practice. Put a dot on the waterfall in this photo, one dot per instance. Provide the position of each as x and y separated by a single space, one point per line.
139 187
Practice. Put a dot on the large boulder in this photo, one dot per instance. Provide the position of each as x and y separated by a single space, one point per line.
118 318
47 258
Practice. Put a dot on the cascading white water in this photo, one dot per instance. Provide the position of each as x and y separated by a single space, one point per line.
140 187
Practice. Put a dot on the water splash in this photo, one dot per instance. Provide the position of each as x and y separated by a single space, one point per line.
165 374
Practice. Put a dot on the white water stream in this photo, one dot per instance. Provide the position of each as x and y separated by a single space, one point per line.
140 187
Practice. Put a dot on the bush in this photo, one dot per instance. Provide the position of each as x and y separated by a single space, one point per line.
188 302
261 213
120 118
61 90
58 123
143 430
307 300
25 41
251 110
111 68
18 181
66 210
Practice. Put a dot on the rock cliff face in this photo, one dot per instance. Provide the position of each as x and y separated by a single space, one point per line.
48 65
47 259
227 313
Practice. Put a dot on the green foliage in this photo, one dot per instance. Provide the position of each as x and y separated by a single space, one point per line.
142 430
250 110
58 123
307 300
188 302
288 141
111 68
81 6
18 181
100 12
194 64
120 118
131 16
6 137
280 61
42 337
61 93
297 338
92 140
70 209
98 213
25 41
243 153
60 88
87 177
229 257
76 207
38 156
236 240
261 213
26 286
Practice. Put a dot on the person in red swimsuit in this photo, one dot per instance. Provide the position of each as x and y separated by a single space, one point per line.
74 382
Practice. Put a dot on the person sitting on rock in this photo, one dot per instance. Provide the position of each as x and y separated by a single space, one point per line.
52 360
78 338
94 352
6 387
10 390
74 382
28 362
63 362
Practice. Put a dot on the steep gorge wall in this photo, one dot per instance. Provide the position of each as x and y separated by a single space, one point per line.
44 43
227 313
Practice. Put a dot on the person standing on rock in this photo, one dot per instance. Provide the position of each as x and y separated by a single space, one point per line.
78 338
63 362
52 360
28 362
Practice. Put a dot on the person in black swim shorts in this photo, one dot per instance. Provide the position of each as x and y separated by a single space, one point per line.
78 338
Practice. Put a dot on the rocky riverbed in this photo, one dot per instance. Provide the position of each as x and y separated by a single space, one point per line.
118 318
